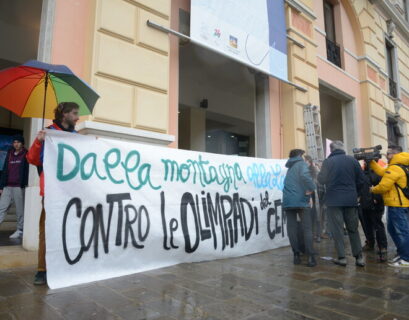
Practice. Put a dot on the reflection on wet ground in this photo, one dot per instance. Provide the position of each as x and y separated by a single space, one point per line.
261 286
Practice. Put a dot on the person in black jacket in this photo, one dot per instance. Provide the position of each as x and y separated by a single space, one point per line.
342 176
13 180
372 209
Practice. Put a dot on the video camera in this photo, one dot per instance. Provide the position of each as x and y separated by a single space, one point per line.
368 154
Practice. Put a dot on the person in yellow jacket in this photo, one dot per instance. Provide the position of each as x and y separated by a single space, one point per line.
393 179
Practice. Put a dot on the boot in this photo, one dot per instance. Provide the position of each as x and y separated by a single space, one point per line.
383 255
297 259
311 261
40 278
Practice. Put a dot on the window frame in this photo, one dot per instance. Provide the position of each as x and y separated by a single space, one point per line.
330 6
392 67
334 52
405 8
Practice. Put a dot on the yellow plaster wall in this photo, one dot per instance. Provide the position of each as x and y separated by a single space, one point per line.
374 28
131 68
307 3
131 64
302 71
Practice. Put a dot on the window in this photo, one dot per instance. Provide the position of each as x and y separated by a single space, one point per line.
329 21
333 50
390 61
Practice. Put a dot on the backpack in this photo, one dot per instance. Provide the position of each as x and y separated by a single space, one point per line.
404 190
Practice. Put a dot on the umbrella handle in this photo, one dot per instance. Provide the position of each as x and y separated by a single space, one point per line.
45 98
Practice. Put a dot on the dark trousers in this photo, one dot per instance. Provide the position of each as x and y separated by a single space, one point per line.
338 216
316 221
374 229
295 229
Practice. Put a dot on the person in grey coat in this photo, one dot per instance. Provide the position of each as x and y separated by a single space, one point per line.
298 187
343 177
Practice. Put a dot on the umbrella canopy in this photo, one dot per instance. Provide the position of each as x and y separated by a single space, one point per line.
35 88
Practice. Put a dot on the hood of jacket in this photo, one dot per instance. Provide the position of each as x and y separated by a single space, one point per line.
292 161
400 158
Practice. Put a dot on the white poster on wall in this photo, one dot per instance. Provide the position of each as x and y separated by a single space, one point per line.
250 31
116 208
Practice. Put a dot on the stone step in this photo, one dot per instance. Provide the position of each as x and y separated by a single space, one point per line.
10 220
8 225
16 256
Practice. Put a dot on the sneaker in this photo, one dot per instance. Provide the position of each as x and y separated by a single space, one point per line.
340 261
400 264
40 278
359 262
18 234
395 259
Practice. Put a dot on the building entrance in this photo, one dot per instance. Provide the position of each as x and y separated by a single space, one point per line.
216 103
337 118
19 37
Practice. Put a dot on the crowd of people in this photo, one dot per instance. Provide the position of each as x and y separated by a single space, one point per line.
330 200
320 201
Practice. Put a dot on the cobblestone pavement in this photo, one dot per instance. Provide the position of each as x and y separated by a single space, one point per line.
261 286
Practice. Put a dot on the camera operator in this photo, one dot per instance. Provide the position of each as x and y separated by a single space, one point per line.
393 180
371 212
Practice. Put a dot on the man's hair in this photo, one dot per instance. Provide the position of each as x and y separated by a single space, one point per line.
64 107
336 145
296 153
395 148
19 138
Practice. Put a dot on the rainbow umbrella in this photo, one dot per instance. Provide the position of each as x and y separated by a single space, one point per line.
34 89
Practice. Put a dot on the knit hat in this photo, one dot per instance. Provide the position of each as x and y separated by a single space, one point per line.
18 137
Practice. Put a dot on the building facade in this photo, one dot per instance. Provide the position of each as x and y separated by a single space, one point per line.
350 56
355 57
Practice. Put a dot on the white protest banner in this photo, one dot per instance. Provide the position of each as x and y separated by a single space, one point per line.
115 208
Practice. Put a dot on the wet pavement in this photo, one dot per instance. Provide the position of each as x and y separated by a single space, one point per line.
261 286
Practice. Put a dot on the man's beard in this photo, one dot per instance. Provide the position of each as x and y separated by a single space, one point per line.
71 124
